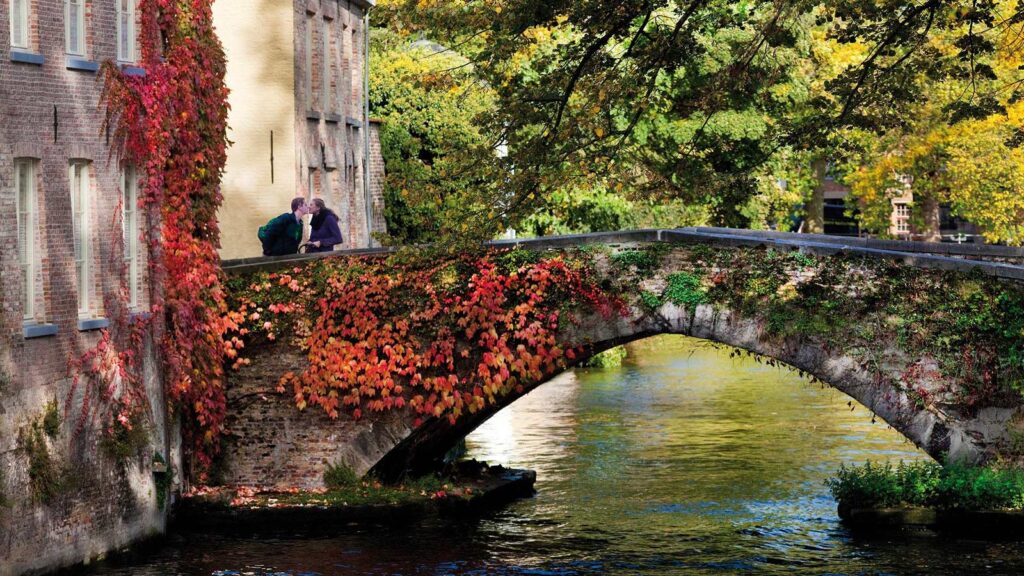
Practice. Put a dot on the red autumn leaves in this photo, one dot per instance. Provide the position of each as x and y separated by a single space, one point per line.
446 339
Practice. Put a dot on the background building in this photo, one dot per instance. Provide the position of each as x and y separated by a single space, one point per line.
298 119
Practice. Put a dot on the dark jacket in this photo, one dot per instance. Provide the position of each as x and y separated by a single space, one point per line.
283 235
324 227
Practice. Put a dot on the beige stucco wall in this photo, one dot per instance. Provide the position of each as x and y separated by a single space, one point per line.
258 40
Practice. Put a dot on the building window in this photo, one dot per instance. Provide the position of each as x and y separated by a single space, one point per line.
130 231
309 64
19 23
902 215
74 27
325 77
78 175
126 51
25 185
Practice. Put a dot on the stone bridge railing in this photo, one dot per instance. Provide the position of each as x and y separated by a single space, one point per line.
1000 261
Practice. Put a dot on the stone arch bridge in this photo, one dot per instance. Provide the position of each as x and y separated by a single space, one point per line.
928 336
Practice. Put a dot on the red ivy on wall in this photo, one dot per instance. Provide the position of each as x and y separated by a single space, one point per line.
446 339
172 122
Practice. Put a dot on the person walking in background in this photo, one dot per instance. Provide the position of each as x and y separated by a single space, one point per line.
283 234
325 233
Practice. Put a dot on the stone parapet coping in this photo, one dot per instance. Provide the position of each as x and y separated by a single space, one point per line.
919 254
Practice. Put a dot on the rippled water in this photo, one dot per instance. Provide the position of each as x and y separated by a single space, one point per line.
683 461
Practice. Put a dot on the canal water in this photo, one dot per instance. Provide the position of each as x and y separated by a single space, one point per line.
682 461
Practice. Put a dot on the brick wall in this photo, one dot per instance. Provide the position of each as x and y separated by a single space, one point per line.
280 54
331 136
377 175
272 444
49 114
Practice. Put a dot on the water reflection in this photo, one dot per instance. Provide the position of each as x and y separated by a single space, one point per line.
682 461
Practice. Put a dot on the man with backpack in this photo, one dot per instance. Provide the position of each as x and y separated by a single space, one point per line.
283 234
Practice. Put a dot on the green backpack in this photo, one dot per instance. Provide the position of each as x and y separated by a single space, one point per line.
263 233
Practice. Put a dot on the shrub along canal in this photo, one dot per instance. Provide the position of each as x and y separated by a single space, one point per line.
681 461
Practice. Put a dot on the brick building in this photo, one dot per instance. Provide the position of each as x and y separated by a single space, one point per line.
298 121
69 246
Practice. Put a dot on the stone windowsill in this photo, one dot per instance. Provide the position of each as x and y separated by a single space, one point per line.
26 57
353 122
332 118
34 330
312 115
79 63
85 324
130 69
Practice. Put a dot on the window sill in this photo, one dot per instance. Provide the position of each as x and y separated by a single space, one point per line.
130 69
27 57
332 118
353 122
85 325
79 63
38 330
312 115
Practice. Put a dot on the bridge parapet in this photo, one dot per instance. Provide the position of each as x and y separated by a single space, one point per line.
999 261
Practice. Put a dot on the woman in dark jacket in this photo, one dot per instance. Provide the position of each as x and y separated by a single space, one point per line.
325 232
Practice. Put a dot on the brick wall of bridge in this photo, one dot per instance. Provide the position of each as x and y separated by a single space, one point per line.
270 443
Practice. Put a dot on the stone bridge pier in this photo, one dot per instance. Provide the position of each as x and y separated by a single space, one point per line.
891 355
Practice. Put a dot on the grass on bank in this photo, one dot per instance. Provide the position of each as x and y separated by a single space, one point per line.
930 485
343 487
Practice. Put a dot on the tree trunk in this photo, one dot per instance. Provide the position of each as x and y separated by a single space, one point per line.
814 219
930 212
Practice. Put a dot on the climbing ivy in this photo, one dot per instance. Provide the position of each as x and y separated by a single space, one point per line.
171 122
446 337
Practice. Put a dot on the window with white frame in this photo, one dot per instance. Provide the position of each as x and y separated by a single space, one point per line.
74 27
126 35
902 214
25 187
78 176
19 23
130 231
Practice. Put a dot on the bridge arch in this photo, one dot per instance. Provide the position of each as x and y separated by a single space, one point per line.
424 447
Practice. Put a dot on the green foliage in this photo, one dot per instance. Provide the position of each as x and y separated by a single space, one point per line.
126 439
162 481
51 419
650 300
802 258
438 160
5 381
610 358
685 289
340 475
642 260
46 479
580 209
513 260
928 484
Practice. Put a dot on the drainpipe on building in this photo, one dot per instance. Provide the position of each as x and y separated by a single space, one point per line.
366 128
